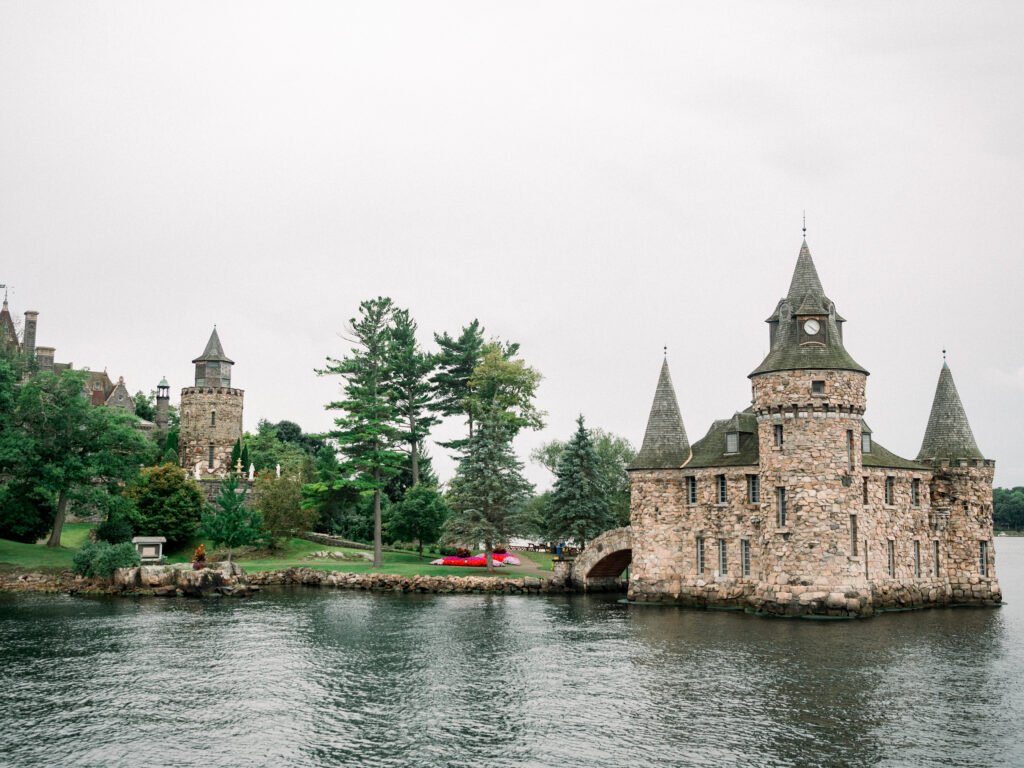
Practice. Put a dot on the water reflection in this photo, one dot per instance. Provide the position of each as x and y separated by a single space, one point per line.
316 678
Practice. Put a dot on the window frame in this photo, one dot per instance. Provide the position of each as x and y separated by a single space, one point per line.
917 559
732 438
753 489
745 558
853 535
779 436
983 557
700 555
915 492
722 489
780 499
691 490
723 560
890 490
818 387
891 551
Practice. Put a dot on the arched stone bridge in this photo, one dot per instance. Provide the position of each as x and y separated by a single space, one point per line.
601 564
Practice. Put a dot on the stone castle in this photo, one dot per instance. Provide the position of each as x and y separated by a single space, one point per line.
791 506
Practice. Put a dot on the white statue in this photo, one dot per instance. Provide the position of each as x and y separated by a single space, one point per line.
278 470
199 469
252 471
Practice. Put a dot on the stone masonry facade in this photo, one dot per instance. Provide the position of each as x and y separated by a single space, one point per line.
791 507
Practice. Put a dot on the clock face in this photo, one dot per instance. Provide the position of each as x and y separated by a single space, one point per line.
811 327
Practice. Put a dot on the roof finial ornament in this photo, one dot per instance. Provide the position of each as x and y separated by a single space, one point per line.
805 224
665 350
943 354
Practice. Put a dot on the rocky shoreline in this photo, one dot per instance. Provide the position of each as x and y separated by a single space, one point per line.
232 581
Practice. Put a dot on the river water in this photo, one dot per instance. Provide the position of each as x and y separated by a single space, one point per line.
305 677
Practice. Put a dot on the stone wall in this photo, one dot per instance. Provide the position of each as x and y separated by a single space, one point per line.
197 433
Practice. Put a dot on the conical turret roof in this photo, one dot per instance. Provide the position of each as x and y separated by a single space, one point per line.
8 334
665 443
806 297
948 434
214 352
805 277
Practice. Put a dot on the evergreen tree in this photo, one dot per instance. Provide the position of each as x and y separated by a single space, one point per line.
456 362
487 485
579 506
229 523
368 432
418 516
410 370
244 456
236 452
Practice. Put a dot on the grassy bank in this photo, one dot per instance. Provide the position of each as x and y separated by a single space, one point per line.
296 553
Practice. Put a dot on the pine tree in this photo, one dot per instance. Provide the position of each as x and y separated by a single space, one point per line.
414 395
579 507
455 365
368 432
487 485
236 452
229 522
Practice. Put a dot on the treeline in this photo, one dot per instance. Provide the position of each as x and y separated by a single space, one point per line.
1008 508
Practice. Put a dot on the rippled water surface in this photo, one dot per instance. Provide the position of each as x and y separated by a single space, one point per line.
310 677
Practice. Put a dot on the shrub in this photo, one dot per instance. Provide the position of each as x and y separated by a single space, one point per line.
114 531
462 552
168 504
98 559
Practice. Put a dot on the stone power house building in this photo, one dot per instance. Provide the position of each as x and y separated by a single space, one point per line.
791 507
211 413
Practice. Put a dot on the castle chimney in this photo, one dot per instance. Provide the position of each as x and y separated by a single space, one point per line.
29 338
44 356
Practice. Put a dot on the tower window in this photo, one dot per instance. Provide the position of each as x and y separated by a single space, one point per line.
722 561
210 460
691 490
917 559
865 442
817 387
889 482
781 495
700 554
849 450
732 442
853 535
865 490
753 489
915 492
935 557
745 557
892 558
213 418
778 435
983 557
723 490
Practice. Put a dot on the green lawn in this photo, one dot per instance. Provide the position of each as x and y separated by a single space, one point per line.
544 560
36 556
294 554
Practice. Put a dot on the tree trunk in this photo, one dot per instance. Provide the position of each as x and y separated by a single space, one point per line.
489 552
420 543
58 520
378 551
415 462
229 555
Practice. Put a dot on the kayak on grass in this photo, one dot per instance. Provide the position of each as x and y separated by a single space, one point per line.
478 561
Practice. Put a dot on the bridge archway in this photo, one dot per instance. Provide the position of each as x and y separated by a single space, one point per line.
601 564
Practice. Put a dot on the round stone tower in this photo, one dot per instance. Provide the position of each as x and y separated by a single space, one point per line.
211 413
809 399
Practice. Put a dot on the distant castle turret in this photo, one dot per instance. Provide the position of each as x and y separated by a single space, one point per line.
211 412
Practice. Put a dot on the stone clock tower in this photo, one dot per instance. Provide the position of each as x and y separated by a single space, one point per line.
211 413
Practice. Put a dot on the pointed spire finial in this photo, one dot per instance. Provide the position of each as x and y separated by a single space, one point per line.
665 350
805 223
943 354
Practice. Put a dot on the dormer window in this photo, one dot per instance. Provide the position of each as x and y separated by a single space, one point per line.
865 442
732 442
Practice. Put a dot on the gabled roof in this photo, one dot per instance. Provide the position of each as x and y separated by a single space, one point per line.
806 297
214 352
665 443
948 434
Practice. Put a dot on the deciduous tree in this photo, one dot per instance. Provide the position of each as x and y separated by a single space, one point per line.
418 516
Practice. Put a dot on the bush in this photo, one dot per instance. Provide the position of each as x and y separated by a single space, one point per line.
114 531
462 552
168 504
26 512
99 560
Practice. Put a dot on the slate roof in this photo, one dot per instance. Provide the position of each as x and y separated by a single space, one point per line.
883 458
665 443
709 451
7 330
806 297
948 434
214 352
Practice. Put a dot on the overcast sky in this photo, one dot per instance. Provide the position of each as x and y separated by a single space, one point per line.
593 180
